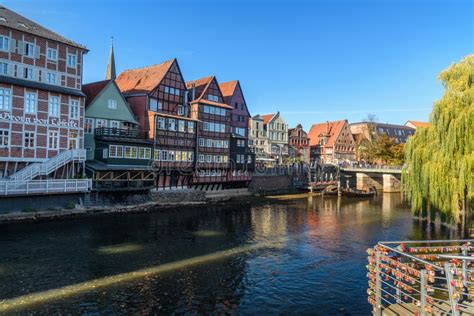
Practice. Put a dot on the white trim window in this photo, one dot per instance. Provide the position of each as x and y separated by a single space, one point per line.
213 98
191 127
201 158
171 124
53 106
28 49
100 123
181 126
71 60
4 138
27 73
4 68
5 99
180 110
161 123
52 54
53 140
201 142
51 78
29 139
115 124
131 152
208 158
4 43
164 155
74 109
157 155
190 156
115 151
30 102
144 153
112 104
89 125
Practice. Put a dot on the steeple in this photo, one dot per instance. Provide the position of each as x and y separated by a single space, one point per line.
110 74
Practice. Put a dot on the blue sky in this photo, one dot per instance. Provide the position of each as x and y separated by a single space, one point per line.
311 60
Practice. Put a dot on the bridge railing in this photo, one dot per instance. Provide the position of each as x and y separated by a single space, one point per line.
421 277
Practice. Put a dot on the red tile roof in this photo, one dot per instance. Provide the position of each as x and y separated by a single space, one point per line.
228 88
143 79
329 129
267 117
418 124
212 103
91 90
199 84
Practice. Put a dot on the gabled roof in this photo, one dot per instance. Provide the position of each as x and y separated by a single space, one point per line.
91 90
202 85
13 20
94 89
268 117
228 88
418 124
143 79
331 130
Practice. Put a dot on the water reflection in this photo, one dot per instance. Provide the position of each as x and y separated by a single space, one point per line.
295 256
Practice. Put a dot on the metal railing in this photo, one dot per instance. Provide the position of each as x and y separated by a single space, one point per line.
44 186
50 165
373 168
111 132
421 277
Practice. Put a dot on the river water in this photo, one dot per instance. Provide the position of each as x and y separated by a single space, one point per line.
299 256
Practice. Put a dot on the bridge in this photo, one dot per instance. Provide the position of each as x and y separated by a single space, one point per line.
383 178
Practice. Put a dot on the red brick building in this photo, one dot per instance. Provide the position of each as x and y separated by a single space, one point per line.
214 131
332 142
241 158
157 95
298 144
41 104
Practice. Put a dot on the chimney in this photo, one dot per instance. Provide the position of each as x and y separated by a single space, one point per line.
193 91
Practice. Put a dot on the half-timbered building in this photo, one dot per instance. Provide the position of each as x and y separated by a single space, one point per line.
242 160
298 142
41 109
157 95
213 132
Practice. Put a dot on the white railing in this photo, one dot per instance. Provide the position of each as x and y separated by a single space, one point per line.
44 186
50 165
374 168
421 278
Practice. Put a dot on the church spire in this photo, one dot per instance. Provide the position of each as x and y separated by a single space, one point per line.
110 74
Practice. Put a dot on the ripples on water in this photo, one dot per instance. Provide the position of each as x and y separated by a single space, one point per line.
305 256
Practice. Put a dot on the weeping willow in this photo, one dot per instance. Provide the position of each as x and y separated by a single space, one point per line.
439 170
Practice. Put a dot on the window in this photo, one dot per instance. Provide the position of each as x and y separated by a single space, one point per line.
74 110
115 124
29 49
4 138
51 78
53 106
27 73
112 104
3 68
88 125
208 158
208 142
5 99
171 125
100 123
171 155
212 97
51 54
180 110
201 142
226 144
115 151
178 156
53 140
73 141
29 140
30 102
71 60
4 43
190 156
144 153
153 105
161 123
181 126
201 158
164 155
131 152
249 159
191 127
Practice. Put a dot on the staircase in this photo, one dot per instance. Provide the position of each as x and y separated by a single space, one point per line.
50 165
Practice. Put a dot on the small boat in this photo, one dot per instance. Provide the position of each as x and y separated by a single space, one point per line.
331 190
358 193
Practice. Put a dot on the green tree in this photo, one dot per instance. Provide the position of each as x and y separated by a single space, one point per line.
438 176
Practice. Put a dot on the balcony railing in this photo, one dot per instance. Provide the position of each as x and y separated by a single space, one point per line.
421 278
8 188
120 133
